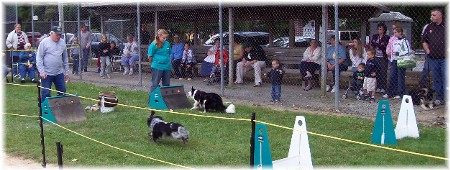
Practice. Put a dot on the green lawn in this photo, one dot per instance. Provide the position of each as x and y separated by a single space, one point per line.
213 142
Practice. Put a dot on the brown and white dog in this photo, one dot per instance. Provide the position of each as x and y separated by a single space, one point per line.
422 97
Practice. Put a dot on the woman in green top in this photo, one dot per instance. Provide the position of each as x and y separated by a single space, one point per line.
159 55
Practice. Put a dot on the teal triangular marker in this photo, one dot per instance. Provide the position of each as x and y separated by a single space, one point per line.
383 129
262 155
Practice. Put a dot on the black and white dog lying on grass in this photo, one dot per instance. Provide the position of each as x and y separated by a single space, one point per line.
209 101
422 97
162 129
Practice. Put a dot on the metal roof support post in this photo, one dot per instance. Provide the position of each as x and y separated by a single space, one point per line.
32 25
156 22
138 17
323 78
221 49
336 51
79 38
363 31
230 46
102 24
291 33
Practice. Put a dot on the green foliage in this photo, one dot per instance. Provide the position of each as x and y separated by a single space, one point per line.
213 142
421 16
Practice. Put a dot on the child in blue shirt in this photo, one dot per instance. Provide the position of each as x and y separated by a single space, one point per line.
27 63
74 54
276 75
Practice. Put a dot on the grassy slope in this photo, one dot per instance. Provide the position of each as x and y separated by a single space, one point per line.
212 141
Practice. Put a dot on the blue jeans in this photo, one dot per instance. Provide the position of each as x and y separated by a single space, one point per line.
176 67
424 77
157 76
23 69
59 82
382 72
437 67
396 80
129 61
85 58
276 92
75 63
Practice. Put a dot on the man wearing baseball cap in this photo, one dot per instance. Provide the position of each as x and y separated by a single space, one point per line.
52 62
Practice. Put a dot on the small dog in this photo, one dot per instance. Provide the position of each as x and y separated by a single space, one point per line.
422 97
209 101
162 129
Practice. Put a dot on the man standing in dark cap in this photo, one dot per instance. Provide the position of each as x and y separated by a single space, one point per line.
52 62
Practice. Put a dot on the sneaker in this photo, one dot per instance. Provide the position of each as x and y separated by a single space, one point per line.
206 80
125 72
257 85
33 80
22 81
308 74
437 102
102 77
189 79
378 91
108 76
332 90
85 70
382 91
385 96
397 97
372 99
328 88
180 79
130 73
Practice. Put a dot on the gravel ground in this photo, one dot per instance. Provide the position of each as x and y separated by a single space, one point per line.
294 98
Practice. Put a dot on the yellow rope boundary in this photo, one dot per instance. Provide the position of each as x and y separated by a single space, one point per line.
103 143
270 124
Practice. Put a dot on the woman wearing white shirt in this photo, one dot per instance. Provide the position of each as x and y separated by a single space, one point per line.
310 62
208 62
357 54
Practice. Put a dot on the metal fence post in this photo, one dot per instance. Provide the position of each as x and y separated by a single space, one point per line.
59 150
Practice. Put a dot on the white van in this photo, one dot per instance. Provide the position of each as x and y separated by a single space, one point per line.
345 37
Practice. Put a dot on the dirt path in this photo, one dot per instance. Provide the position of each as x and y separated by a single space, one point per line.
16 162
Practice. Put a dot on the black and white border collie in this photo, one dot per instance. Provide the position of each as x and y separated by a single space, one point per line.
209 101
162 129
422 97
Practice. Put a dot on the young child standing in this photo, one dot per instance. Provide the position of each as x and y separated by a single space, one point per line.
370 80
105 61
187 62
358 78
74 54
276 75
27 63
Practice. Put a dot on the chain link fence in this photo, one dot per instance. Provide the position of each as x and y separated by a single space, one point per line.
284 32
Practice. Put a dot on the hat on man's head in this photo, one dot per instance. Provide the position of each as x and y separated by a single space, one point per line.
57 29
176 36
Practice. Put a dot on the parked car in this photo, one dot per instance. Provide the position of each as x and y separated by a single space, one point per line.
67 36
300 41
37 35
96 37
260 38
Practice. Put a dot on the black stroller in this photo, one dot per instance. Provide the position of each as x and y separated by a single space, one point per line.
215 76
355 86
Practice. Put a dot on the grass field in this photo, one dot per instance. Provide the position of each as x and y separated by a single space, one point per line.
213 142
